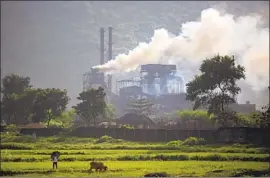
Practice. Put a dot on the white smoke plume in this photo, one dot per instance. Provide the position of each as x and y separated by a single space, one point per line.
213 33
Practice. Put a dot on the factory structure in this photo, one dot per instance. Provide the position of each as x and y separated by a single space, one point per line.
156 82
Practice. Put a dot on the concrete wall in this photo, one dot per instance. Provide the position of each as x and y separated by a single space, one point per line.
243 135
222 135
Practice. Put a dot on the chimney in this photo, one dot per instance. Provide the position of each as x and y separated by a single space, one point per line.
102 46
110 57
110 44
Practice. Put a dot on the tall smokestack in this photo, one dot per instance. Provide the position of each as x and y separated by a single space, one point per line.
102 46
110 57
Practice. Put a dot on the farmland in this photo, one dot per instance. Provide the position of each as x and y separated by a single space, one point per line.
25 155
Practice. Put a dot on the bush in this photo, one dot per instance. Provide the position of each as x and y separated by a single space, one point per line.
108 139
25 139
245 120
200 117
194 115
12 129
175 143
192 141
127 126
17 139
14 146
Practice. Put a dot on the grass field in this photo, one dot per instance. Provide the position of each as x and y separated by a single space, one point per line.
24 156
138 168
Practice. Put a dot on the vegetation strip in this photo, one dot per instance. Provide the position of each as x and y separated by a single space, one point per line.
61 142
139 157
138 168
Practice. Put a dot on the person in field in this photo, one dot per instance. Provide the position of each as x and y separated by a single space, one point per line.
55 160
54 156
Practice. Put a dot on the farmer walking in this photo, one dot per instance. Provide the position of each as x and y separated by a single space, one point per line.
54 156
55 160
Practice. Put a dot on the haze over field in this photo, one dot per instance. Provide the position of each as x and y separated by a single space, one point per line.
54 43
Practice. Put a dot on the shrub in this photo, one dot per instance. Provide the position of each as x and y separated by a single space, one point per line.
12 129
108 139
200 117
15 146
127 126
175 143
17 139
194 115
245 119
191 141
25 139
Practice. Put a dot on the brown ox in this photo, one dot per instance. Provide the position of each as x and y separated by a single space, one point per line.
98 166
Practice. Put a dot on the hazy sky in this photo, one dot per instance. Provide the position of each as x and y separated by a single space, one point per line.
55 42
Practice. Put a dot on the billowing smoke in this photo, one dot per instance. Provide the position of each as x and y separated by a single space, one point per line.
213 33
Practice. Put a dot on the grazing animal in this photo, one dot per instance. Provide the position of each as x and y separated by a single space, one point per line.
98 166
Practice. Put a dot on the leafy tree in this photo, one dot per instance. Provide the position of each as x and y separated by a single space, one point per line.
24 104
264 117
16 97
66 118
14 84
8 109
49 104
201 117
142 106
215 88
256 119
92 105
109 112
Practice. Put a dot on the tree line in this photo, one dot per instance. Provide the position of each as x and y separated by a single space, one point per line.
21 103
214 89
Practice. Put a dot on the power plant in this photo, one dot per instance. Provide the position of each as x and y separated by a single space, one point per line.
157 82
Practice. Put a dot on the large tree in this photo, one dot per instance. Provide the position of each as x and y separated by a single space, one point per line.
14 84
49 104
23 106
215 88
92 105
140 106
16 99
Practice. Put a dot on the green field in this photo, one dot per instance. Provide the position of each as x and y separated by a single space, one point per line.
138 168
24 156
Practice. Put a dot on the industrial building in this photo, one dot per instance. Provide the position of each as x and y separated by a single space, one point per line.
156 82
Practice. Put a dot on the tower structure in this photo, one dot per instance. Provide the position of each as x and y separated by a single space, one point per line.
94 78
110 57
102 46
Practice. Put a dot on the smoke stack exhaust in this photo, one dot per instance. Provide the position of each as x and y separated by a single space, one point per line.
110 57
246 37
102 46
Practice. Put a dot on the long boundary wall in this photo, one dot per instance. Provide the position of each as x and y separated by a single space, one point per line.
222 135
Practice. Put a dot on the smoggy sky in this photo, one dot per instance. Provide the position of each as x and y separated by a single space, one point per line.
54 43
